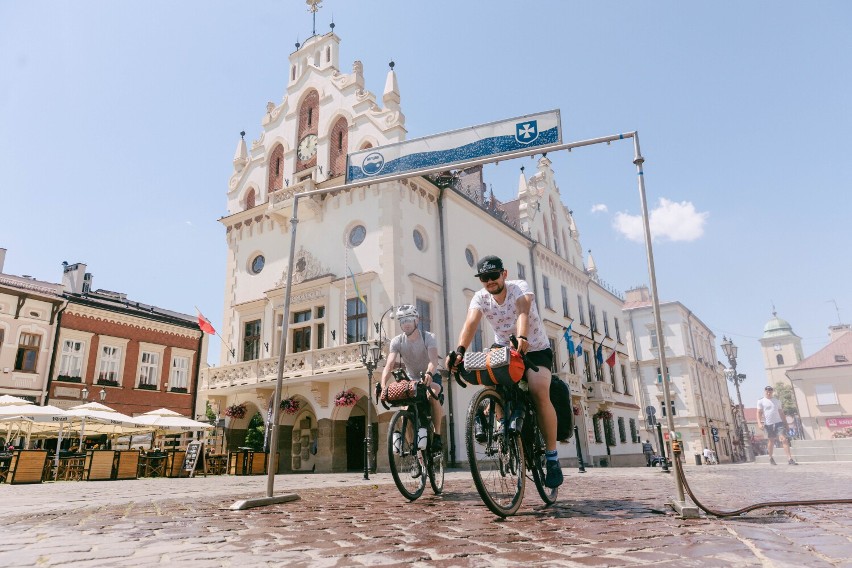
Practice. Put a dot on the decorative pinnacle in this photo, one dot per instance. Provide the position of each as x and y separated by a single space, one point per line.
392 64
242 134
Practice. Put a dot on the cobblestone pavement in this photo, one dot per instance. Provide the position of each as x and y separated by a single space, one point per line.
605 517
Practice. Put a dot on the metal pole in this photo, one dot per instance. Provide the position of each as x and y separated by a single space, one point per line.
282 352
639 160
662 446
367 439
582 468
749 455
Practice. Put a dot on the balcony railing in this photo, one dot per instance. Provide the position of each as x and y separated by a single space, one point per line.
599 390
305 364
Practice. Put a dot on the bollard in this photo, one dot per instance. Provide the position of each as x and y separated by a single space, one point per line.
665 463
582 468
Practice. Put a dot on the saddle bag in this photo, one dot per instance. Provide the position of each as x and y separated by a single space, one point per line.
560 396
496 366
402 393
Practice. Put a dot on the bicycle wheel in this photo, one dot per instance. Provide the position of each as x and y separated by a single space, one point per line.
435 467
496 458
536 460
403 456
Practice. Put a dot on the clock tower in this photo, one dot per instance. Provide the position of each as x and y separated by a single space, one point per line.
781 348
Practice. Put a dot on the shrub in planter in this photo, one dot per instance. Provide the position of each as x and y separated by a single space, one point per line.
178 389
147 387
69 379
107 383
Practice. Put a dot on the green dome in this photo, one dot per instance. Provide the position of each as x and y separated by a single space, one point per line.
777 327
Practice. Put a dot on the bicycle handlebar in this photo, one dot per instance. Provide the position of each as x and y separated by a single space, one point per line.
532 367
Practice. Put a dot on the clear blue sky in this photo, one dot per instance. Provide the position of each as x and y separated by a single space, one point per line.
119 121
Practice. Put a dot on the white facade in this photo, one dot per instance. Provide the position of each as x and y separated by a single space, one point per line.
781 349
412 241
698 390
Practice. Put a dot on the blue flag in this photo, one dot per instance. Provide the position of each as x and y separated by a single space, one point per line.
599 355
580 348
568 339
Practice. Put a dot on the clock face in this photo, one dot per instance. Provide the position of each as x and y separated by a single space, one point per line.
777 347
307 147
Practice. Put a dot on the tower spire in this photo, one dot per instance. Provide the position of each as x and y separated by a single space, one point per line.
313 8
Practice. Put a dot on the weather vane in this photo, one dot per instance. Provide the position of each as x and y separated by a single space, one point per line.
313 8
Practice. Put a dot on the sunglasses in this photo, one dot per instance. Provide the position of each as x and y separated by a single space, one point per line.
407 320
489 276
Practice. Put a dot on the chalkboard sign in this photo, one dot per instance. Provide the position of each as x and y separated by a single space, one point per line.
194 452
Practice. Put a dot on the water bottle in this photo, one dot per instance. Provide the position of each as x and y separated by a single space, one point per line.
421 438
397 443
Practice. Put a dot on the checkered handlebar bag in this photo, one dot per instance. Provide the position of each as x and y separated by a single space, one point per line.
498 365
404 392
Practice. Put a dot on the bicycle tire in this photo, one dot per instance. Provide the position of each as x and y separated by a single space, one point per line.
536 460
497 462
405 460
435 468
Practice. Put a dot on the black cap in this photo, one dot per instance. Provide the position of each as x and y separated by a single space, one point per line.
489 264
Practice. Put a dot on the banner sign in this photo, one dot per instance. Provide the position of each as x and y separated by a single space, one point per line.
494 139
843 422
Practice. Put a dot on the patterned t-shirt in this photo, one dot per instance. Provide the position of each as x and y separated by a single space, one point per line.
504 318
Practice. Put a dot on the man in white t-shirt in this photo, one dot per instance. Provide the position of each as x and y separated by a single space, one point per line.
771 419
509 306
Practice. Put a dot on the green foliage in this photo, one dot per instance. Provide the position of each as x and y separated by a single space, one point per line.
784 393
211 415
254 433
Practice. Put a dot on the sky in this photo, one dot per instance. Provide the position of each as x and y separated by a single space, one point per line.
119 122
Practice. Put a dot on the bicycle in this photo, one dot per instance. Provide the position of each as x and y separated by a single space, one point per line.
500 450
411 457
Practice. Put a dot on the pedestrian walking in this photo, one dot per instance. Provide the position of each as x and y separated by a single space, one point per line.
770 418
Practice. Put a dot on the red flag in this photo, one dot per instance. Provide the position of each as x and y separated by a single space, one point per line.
204 324
611 359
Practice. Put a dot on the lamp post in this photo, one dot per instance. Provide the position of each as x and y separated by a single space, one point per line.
84 396
730 351
371 354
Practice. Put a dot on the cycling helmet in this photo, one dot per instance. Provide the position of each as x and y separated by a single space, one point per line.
407 311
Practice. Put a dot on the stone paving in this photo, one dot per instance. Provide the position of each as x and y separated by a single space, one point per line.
605 517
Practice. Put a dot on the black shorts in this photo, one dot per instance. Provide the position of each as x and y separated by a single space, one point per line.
542 359
779 429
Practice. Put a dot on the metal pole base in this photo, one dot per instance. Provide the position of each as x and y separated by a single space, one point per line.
684 509
263 501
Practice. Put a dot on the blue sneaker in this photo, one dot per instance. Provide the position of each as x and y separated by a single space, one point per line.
554 474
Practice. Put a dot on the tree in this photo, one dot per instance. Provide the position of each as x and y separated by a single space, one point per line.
254 433
784 393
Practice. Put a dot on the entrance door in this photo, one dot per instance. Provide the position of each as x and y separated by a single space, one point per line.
355 443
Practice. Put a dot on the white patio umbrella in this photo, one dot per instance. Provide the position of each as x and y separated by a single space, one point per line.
165 421
37 418
102 419
9 400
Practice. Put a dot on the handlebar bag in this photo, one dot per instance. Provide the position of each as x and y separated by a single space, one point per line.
496 366
403 393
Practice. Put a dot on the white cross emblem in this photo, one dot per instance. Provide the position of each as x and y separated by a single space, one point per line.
526 130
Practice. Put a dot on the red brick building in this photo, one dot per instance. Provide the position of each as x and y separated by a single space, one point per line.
141 357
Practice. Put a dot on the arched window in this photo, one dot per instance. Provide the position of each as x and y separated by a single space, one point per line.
779 359
250 198
339 145
328 54
275 175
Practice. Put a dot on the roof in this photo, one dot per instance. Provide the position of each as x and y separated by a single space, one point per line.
118 302
777 327
31 285
838 353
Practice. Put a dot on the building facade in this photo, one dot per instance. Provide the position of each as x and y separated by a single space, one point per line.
781 349
700 403
361 251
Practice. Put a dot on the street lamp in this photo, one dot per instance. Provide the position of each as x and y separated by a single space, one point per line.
84 394
730 351
371 354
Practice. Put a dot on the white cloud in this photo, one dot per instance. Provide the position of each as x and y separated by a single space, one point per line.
669 221
599 208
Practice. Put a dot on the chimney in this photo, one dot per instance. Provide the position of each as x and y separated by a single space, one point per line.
640 294
2 258
835 331
73 277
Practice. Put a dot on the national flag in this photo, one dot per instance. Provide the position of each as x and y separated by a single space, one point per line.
204 324
357 291
611 359
568 339
580 348
599 354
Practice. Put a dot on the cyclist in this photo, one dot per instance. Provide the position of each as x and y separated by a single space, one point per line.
418 351
510 308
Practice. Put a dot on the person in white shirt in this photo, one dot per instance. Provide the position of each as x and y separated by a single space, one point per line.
771 419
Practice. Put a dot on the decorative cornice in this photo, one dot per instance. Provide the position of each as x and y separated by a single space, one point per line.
130 321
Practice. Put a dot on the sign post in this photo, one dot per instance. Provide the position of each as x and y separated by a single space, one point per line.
194 452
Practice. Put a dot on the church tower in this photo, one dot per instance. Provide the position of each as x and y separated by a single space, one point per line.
782 349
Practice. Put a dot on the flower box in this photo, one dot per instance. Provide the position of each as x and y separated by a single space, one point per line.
147 387
107 383
345 398
290 405
236 411
69 379
178 389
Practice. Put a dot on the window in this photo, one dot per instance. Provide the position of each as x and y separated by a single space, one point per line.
357 235
257 264
468 256
825 395
593 316
596 424
71 362
663 407
617 330
109 364
250 198
251 340
356 320
179 374
608 431
522 272
565 311
605 322
301 339
555 362
652 331
425 311
581 312
320 335
546 282
148 369
2 335
622 432
310 116
340 140
27 356
634 433
624 380
419 242
779 359
588 366
612 378
572 365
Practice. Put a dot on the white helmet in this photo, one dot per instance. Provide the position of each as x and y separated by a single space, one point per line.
407 311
